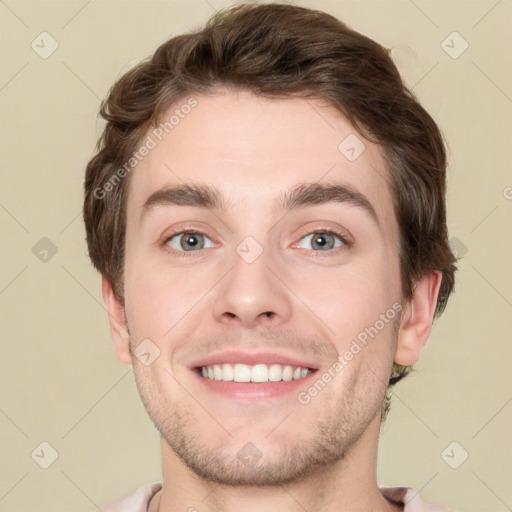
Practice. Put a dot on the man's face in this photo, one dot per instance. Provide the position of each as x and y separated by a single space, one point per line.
259 284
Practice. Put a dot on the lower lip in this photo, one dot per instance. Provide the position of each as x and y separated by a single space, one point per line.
254 390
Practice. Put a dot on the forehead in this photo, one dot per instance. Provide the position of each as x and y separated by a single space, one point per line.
253 149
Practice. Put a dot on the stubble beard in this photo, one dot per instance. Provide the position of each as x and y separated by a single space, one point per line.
328 440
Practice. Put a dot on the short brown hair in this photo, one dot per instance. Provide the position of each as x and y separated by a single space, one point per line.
280 50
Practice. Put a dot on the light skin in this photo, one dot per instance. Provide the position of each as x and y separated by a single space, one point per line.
297 298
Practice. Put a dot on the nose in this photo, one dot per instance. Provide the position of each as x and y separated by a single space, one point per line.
253 294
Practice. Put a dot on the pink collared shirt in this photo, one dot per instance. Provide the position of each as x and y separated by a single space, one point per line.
406 496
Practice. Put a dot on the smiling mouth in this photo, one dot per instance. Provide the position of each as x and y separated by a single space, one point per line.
259 373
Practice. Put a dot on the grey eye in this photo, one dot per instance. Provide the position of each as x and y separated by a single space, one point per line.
188 241
323 240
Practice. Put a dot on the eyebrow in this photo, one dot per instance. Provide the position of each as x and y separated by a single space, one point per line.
300 196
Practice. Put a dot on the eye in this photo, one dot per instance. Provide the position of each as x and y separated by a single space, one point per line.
188 241
322 240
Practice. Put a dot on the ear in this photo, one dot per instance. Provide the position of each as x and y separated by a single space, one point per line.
417 319
117 322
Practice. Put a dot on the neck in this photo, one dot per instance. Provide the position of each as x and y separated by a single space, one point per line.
348 485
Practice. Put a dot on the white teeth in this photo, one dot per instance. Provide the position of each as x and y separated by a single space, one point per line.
256 373
275 372
241 373
287 373
217 372
259 373
227 372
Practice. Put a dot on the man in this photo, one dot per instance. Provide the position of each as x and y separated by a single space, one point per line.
267 210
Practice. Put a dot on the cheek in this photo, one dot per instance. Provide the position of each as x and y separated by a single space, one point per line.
355 293
356 305
158 298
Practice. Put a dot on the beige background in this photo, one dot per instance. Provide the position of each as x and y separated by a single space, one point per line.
60 382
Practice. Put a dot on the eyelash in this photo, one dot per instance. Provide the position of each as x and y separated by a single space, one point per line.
326 230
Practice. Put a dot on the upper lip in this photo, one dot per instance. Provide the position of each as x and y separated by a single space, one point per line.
252 358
